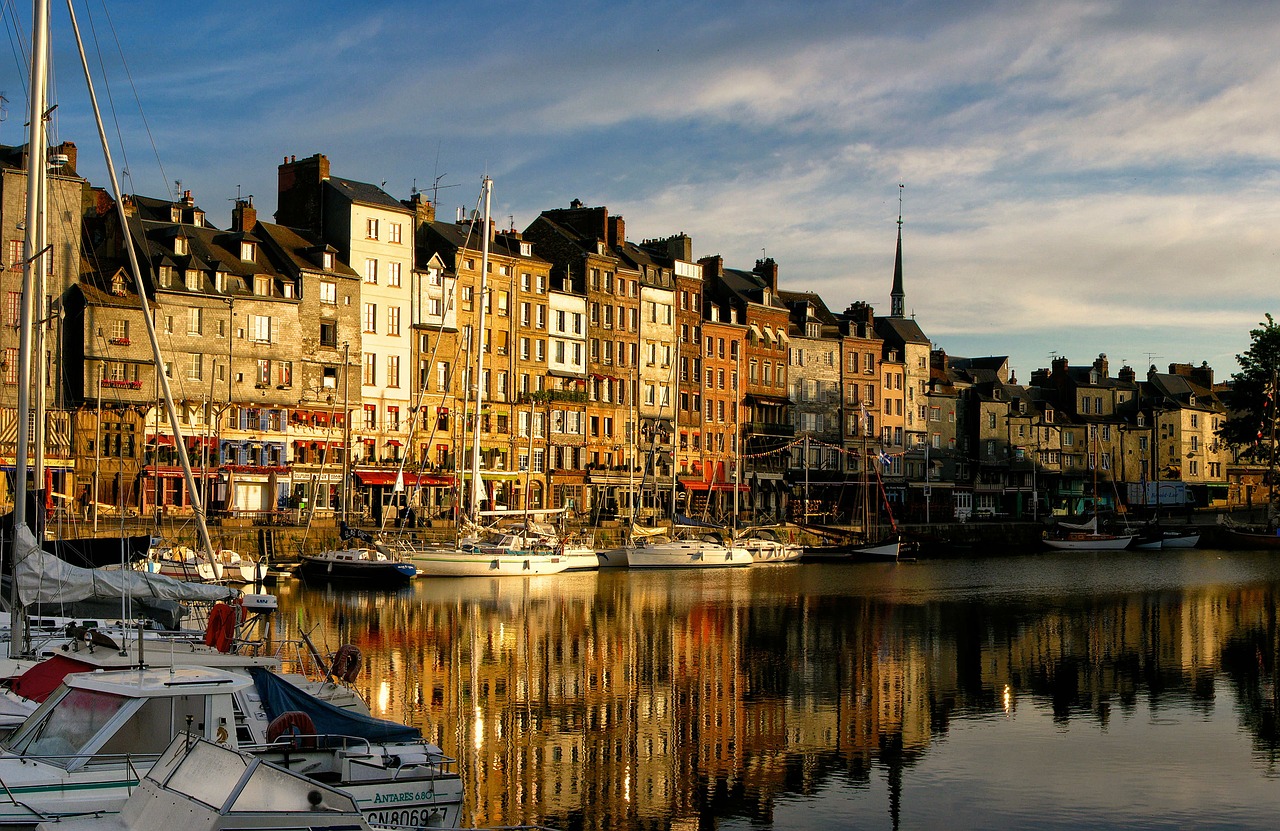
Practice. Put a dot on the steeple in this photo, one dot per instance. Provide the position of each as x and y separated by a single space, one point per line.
898 297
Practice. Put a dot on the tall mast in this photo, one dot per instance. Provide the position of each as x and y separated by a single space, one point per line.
486 187
33 262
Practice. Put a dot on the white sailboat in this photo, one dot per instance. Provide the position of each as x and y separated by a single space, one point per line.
515 558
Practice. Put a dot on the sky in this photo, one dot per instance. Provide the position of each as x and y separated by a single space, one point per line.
1076 177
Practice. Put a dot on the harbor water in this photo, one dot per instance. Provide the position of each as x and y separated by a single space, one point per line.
1064 690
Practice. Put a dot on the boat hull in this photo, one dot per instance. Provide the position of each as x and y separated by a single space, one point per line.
1091 542
1246 539
477 564
690 554
366 573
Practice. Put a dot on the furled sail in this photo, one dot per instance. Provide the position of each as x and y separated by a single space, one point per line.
43 578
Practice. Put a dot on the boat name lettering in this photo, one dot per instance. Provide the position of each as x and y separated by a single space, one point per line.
384 798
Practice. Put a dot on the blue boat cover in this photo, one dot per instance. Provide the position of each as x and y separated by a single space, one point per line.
279 696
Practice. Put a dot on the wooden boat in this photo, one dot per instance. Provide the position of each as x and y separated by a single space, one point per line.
1086 537
1240 538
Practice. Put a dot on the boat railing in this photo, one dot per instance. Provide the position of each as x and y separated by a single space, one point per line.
359 746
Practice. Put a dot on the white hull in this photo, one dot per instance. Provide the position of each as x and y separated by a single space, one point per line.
879 551
451 563
771 551
613 557
1101 542
581 559
687 554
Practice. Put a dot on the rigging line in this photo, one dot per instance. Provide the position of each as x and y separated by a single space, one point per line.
15 39
115 117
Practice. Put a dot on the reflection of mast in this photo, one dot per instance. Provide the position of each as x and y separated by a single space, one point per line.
478 381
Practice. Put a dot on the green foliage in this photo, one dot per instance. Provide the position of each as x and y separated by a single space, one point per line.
1252 398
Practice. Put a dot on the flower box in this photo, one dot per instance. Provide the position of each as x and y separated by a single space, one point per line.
120 383
119 341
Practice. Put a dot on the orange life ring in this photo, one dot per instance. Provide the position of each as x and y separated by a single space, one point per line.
346 663
294 725
220 632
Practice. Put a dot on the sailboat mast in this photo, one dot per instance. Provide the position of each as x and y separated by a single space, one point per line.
197 501
478 383
33 262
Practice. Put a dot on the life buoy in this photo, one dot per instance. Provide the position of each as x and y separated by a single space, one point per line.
220 632
294 725
346 663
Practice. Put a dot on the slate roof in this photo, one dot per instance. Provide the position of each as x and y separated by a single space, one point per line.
366 194
900 330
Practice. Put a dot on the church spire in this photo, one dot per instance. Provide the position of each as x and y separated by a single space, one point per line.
898 296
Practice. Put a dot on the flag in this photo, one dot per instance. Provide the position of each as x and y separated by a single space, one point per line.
884 459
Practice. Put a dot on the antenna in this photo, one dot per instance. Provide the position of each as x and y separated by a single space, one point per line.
177 188
901 187
1151 358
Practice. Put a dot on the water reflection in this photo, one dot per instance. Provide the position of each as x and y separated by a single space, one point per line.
797 696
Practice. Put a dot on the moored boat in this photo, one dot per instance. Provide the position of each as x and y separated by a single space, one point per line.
369 565
1087 537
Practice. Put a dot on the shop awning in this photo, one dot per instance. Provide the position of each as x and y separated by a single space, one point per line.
387 478
770 400
167 441
755 330
728 486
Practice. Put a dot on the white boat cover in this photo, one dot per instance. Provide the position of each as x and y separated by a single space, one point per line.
43 578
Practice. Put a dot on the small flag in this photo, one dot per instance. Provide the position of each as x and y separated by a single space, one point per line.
884 459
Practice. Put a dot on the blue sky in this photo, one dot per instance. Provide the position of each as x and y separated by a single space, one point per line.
1080 177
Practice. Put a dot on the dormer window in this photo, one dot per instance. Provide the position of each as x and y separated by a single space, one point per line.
247 251
1093 377
1191 401
526 249
995 393
287 288
197 218
175 214
180 246
220 280
117 285
326 260
192 279
812 330
1142 419
262 285
166 276
1048 416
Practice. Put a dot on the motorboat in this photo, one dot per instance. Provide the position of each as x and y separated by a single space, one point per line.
198 785
373 564
764 547
83 751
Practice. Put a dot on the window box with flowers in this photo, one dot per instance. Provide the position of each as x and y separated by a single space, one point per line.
119 341
121 383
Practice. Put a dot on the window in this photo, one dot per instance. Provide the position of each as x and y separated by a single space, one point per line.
370 369
371 416
284 373
393 275
260 326
328 333
371 228
371 318
393 371
264 372
262 285
328 292
180 246
195 367
393 320
195 322
394 230
371 271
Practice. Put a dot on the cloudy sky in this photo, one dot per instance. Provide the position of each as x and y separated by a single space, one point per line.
1079 177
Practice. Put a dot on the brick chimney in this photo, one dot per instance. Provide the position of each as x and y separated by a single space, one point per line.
1100 365
616 231
244 216
68 149
1127 375
862 313
712 266
768 269
300 192
424 212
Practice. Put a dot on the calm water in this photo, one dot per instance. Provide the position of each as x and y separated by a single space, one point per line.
1067 690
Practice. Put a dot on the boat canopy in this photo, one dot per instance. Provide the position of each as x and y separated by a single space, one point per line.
279 697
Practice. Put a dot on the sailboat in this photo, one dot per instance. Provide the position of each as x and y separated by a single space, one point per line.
480 557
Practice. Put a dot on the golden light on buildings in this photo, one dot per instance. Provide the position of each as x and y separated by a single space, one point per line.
1007 699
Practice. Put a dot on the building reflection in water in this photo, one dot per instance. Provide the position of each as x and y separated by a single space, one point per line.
673 699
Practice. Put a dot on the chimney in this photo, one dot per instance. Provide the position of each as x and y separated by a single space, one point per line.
712 266
862 313
1100 364
424 211
1127 375
1059 365
300 192
1040 377
244 216
1203 375
768 269
616 230
188 201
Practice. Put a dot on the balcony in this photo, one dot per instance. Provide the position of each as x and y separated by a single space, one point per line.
769 428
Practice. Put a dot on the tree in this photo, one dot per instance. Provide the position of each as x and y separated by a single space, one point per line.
1252 401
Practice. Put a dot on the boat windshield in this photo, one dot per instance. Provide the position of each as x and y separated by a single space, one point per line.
65 729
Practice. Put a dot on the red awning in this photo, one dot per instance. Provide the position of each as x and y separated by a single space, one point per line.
160 439
387 478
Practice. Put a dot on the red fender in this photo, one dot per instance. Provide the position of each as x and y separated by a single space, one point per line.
220 631
346 663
